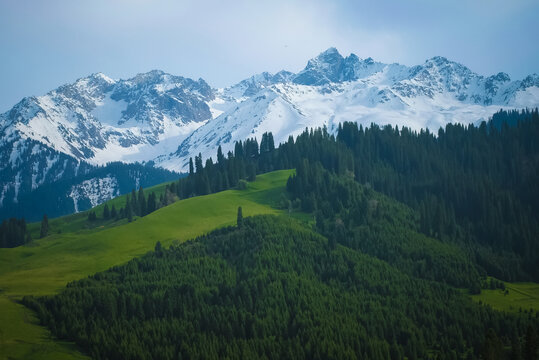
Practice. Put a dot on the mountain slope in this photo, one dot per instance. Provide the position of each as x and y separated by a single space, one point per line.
333 89
168 119
74 252
96 120
268 287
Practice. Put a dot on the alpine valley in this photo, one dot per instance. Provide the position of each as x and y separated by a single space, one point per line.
87 142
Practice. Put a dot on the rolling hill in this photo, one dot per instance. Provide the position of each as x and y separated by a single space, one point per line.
49 264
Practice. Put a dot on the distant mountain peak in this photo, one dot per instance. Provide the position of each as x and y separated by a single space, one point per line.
331 51
101 76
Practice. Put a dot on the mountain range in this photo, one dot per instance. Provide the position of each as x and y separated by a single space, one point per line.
65 140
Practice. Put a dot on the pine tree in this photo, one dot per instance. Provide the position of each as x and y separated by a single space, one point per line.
113 212
141 202
191 169
158 249
106 212
134 204
152 203
44 227
271 142
220 156
531 344
240 218
128 209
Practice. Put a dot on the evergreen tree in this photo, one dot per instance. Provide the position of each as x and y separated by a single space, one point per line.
158 249
113 212
13 233
531 345
44 227
199 168
134 203
152 203
191 169
141 202
238 149
128 209
240 218
106 212
220 156
516 351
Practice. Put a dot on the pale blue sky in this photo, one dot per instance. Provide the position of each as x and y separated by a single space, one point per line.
47 43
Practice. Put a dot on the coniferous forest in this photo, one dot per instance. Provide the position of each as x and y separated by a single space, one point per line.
406 225
472 186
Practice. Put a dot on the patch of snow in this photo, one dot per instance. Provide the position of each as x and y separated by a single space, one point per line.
17 186
97 190
109 111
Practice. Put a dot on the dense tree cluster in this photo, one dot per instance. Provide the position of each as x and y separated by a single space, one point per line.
402 219
357 217
471 186
274 289
53 197
136 204
13 233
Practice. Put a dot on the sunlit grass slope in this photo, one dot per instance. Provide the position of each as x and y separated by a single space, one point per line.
48 264
519 297
75 222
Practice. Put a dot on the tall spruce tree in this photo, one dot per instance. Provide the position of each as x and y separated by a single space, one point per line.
151 206
134 204
191 168
106 212
220 156
240 218
113 212
141 202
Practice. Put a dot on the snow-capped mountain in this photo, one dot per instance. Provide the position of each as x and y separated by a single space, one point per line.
332 89
98 119
94 121
165 118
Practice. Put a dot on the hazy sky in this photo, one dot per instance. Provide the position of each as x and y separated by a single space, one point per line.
47 43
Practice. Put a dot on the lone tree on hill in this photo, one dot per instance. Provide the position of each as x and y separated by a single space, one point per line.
44 227
240 218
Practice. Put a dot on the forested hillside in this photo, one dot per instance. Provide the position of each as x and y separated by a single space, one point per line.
475 187
397 229
271 288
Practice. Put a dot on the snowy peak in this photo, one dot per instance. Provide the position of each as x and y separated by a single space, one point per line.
98 119
331 67
160 117
530 81
333 88
255 83
323 69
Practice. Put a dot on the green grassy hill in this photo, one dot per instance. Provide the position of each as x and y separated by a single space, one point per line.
75 251
516 297
387 236
78 221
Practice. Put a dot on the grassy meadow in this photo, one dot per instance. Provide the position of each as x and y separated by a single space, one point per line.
74 251
519 297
